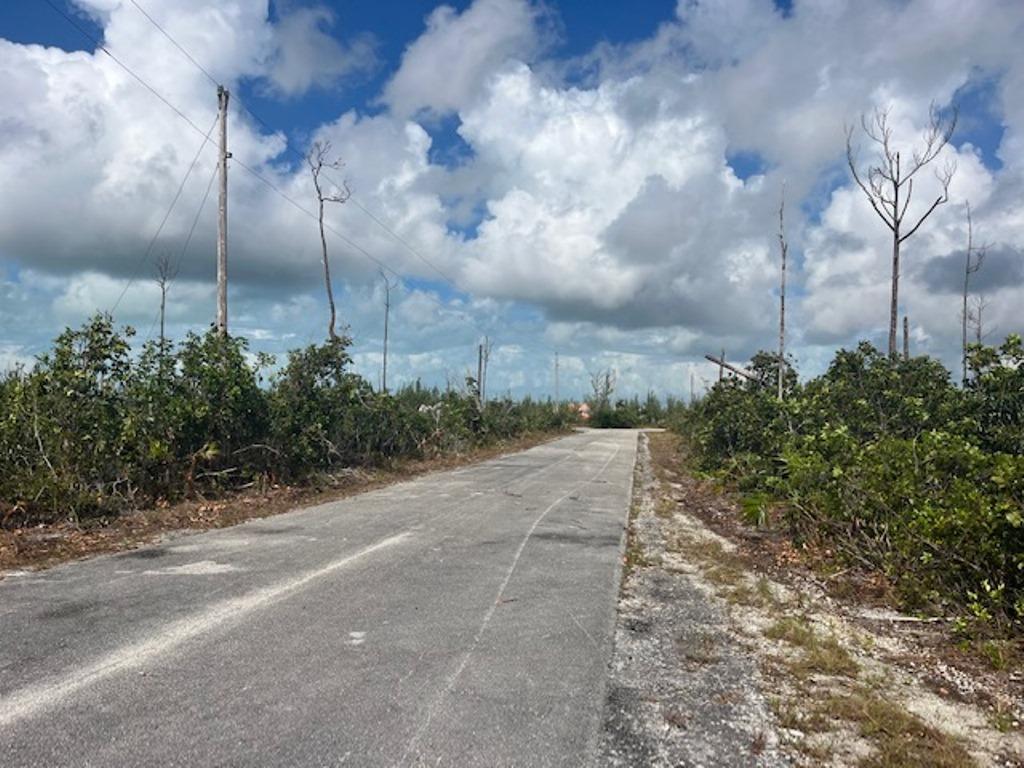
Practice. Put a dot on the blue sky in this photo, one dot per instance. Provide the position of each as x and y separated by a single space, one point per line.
393 24
600 179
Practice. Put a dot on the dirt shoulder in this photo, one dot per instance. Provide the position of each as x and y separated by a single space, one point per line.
43 546
730 650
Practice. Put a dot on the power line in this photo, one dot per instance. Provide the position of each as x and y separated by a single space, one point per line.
401 240
175 43
398 238
188 241
340 236
167 215
195 220
309 213
100 46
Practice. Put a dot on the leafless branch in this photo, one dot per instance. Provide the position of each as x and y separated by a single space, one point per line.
888 183
318 159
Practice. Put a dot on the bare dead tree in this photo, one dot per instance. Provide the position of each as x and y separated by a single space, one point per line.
888 184
603 385
388 285
974 258
165 274
318 160
783 252
976 318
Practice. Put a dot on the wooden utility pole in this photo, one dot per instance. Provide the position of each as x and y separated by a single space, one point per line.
480 374
557 399
721 365
906 338
387 312
222 216
784 249
486 359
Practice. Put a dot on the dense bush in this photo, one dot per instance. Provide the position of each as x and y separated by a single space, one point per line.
889 464
94 429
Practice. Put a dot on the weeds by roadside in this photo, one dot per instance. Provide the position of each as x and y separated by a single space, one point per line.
888 468
96 429
840 695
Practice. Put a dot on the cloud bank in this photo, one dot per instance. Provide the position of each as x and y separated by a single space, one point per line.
597 206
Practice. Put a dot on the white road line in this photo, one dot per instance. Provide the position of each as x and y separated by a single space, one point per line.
432 709
34 699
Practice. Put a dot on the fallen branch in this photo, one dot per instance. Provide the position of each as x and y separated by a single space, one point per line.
734 369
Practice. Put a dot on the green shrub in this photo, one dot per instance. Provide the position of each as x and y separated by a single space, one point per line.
890 465
996 392
92 429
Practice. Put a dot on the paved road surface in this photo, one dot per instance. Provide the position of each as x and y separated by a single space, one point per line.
462 619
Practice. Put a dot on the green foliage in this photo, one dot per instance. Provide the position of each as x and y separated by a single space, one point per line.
631 413
93 429
996 389
891 466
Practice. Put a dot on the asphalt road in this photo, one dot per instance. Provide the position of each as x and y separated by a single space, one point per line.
461 619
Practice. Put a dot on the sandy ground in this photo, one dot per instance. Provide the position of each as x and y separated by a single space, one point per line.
722 661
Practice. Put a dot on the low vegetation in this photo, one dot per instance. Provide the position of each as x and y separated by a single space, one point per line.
884 464
96 429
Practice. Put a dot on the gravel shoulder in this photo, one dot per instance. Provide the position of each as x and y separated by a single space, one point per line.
722 659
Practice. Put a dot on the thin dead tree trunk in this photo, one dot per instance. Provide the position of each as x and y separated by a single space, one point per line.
165 273
976 318
318 160
331 333
906 338
783 251
889 186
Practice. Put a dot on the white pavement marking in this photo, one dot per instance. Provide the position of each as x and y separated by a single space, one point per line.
432 709
202 568
35 698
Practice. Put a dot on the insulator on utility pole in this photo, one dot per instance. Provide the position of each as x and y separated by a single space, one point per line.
222 215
